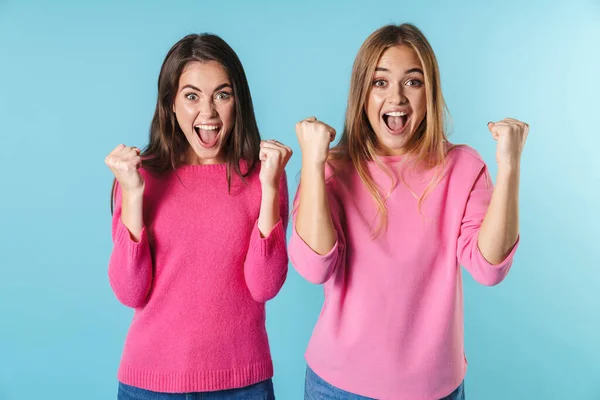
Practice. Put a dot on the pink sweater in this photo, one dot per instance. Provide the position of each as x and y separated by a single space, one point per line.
391 326
198 279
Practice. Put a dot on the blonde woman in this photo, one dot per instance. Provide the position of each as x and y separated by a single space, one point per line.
384 220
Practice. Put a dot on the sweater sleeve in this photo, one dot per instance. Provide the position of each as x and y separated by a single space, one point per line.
130 265
314 267
468 251
266 264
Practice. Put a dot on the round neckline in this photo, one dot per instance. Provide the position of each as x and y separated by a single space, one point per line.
201 166
391 159
221 167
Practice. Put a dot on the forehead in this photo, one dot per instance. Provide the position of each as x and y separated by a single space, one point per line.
399 58
209 73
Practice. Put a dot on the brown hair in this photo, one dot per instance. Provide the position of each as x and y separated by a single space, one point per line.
167 142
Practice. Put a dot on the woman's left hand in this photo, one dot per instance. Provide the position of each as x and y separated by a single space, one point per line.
511 135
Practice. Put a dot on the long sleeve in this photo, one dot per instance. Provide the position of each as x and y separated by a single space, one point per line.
312 266
130 266
266 264
468 251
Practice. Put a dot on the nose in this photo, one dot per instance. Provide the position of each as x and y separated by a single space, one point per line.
206 108
397 95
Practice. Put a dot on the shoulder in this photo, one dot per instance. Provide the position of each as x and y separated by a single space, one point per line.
464 158
464 153
465 166
338 168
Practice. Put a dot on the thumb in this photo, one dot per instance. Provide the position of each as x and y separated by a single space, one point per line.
262 156
490 125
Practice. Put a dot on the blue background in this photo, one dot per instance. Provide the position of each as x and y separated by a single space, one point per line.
77 79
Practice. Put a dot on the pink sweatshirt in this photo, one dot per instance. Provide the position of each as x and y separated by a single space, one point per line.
198 279
391 326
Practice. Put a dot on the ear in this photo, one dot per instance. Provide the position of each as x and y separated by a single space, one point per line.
173 108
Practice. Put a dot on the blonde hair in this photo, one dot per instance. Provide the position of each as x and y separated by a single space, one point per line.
427 146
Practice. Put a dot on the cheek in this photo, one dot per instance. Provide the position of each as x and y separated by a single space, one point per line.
227 113
374 103
184 111
421 103
190 110
185 117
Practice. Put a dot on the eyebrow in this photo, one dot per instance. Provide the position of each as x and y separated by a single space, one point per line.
419 70
221 86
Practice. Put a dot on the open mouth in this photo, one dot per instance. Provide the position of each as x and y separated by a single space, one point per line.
396 121
208 134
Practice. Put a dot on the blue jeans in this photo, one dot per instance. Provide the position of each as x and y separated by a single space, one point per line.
316 388
259 391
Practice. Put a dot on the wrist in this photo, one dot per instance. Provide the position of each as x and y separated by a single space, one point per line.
509 169
132 195
313 167
269 190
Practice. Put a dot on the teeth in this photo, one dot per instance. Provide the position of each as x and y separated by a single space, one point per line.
207 127
396 114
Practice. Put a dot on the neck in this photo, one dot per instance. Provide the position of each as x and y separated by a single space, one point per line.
192 158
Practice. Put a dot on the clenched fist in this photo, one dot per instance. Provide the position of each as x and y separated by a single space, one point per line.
314 138
125 162
511 135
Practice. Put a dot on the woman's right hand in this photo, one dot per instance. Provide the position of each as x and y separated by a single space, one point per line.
314 138
125 162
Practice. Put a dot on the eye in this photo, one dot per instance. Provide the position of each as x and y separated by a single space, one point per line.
222 96
191 96
414 82
380 83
